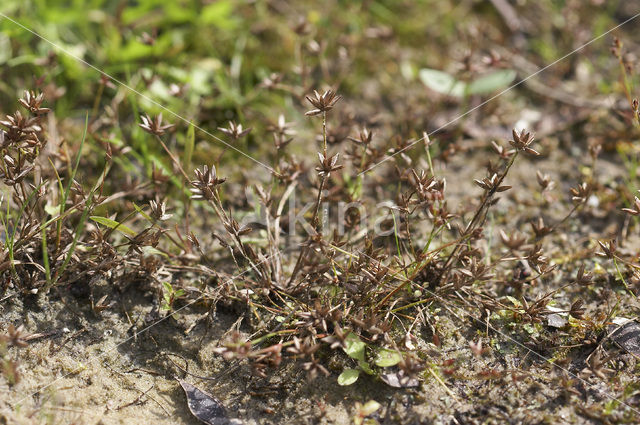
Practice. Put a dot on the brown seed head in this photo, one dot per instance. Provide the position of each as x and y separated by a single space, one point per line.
635 209
33 102
235 131
364 138
154 126
205 183
322 102
522 141
581 193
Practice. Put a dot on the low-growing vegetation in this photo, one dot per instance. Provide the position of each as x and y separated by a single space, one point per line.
307 206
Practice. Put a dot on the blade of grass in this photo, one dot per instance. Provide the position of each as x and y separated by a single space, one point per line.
142 213
76 236
397 239
113 224
65 193
45 256
188 147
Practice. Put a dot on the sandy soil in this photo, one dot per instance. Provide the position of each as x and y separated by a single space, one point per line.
105 368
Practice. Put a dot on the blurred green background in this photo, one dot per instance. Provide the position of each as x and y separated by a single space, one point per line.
210 61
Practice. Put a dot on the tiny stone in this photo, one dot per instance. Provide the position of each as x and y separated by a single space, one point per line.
556 321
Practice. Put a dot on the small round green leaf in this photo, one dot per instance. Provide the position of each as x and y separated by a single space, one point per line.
369 408
354 347
348 377
387 358
442 82
491 82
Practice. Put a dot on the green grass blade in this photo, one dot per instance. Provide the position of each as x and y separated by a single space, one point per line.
188 147
112 224
65 192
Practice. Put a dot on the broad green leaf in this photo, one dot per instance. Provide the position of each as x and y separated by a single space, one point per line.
112 224
491 82
442 82
387 358
348 376
355 347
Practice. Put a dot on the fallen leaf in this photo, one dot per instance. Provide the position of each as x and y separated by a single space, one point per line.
205 407
627 337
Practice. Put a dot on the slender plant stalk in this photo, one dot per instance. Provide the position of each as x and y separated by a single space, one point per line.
173 159
488 195
314 220
65 193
